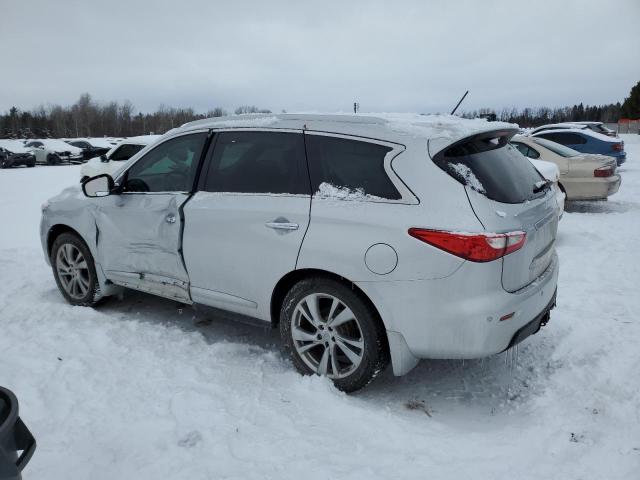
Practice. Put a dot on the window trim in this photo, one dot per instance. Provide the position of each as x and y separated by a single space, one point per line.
407 197
143 153
206 166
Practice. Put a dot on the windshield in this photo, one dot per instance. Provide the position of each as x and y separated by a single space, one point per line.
556 147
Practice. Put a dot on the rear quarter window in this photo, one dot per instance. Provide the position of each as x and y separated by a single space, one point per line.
492 167
355 165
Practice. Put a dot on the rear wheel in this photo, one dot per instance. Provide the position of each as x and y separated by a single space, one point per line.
74 270
53 159
331 331
3 163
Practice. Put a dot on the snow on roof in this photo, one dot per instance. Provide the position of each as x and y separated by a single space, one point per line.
572 129
57 145
443 129
99 142
15 146
140 140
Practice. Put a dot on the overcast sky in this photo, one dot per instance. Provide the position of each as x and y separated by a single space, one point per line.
390 56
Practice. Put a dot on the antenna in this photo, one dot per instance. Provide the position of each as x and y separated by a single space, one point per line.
463 97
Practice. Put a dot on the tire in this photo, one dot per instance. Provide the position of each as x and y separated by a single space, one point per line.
75 275
3 163
345 340
53 159
31 165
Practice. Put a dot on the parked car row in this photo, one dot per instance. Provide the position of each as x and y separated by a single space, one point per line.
584 139
51 151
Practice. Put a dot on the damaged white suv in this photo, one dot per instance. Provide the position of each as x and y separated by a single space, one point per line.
365 239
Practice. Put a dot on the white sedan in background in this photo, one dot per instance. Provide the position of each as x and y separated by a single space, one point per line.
50 151
116 157
583 176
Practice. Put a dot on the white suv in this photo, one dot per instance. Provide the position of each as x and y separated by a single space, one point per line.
365 239
115 158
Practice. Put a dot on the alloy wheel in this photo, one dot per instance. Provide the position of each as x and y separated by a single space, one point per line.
73 271
327 335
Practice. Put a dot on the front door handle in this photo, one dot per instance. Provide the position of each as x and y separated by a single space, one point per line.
278 225
171 218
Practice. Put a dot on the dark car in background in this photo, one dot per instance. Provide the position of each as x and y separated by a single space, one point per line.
90 147
13 153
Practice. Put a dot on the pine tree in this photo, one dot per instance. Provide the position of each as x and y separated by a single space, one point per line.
631 105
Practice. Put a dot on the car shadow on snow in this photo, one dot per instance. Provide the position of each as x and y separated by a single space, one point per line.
434 387
602 206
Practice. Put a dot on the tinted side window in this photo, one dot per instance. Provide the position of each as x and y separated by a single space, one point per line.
351 164
564 138
170 167
125 152
258 162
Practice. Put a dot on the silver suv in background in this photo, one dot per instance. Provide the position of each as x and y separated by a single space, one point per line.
365 239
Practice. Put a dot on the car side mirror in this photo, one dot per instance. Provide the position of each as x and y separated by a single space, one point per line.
103 158
98 186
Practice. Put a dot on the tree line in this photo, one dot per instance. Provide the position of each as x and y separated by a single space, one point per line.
534 117
88 118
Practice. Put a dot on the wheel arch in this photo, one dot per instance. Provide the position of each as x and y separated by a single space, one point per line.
55 231
290 279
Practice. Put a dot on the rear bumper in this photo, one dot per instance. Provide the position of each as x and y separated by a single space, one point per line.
459 316
534 325
592 188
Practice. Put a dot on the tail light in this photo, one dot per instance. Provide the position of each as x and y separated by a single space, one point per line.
476 247
604 171
617 147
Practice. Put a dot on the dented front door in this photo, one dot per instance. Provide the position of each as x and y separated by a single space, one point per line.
139 228
139 242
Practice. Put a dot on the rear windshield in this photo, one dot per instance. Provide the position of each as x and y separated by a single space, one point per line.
492 167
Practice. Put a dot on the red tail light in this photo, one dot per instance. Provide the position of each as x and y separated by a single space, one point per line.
617 147
604 171
476 247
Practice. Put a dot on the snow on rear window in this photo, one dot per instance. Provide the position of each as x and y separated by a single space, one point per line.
466 174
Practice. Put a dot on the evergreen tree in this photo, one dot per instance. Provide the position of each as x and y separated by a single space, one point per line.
631 106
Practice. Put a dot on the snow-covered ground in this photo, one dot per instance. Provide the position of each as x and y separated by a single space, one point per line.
142 389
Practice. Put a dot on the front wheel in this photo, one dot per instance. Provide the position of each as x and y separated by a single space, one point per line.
74 270
331 331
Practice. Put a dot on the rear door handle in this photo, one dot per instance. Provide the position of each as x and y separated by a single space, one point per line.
282 225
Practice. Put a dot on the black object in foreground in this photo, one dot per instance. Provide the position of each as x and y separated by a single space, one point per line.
15 437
